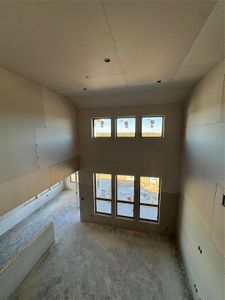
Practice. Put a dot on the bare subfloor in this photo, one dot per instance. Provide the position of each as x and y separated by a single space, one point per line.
94 262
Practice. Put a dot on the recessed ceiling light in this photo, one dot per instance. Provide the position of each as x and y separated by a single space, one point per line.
159 81
107 60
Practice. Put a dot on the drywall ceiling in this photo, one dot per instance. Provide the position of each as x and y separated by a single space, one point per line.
62 45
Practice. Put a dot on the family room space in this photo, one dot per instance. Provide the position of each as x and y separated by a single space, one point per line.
112 150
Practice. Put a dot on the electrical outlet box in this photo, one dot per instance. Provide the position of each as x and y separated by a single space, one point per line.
223 202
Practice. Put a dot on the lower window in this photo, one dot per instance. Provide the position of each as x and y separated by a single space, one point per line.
146 207
125 196
103 206
103 193
149 198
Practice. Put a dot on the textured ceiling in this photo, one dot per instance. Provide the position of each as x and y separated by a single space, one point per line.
62 45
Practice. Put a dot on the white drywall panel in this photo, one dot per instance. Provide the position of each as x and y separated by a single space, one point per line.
208 266
205 150
192 73
5 197
22 129
201 221
205 104
3 176
218 221
55 145
1 111
25 187
209 45
20 266
19 154
171 21
156 95
59 112
22 103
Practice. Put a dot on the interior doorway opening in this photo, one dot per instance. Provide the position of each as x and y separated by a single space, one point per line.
72 183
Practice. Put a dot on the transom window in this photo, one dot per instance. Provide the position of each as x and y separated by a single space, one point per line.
102 127
152 126
125 127
103 193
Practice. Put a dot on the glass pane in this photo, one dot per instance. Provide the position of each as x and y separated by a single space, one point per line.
148 213
125 188
104 186
149 190
125 127
152 127
102 127
103 206
125 210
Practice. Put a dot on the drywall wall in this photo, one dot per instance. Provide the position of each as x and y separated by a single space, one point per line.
201 215
38 139
16 215
132 156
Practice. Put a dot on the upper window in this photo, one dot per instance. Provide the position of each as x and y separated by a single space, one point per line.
102 127
152 126
126 127
103 193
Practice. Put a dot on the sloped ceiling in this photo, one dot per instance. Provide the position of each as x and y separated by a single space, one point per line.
62 45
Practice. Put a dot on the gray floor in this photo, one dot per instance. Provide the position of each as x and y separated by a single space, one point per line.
94 262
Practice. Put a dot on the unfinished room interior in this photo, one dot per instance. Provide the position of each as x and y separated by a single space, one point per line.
112 157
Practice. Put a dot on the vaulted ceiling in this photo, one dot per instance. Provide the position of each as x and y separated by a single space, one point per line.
63 46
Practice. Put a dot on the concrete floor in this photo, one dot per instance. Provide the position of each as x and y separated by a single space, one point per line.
95 262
